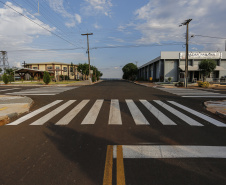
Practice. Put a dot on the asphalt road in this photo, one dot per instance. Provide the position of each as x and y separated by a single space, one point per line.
98 153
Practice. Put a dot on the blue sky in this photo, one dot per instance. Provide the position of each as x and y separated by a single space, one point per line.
124 31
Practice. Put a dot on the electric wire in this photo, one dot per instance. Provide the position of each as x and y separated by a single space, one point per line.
37 24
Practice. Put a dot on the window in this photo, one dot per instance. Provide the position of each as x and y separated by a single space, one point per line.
35 67
71 69
65 69
49 67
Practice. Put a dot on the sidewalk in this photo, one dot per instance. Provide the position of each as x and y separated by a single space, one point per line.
216 107
26 84
12 106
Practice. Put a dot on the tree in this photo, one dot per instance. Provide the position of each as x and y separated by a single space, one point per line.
130 71
207 66
83 69
0 70
46 78
5 78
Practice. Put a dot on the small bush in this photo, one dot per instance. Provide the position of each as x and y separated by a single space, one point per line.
169 79
204 84
46 78
179 84
93 79
5 78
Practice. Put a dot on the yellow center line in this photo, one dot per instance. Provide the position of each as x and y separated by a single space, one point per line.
120 167
108 166
3 108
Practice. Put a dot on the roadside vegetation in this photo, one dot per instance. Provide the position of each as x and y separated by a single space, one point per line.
130 71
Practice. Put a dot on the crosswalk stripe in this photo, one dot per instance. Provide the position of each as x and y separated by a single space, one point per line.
9 89
207 118
50 115
158 114
69 116
30 115
115 115
138 117
93 113
31 94
180 115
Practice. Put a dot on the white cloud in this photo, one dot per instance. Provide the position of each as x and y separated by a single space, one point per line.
97 26
158 21
19 33
58 6
78 18
16 31
91 7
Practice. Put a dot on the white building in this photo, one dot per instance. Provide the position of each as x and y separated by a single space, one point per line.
172 64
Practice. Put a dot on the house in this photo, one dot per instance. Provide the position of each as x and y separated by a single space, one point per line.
56 68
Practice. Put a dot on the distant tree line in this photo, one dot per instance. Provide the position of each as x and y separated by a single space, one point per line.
84 70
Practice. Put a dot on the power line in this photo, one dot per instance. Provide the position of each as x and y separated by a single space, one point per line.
37 23
210 37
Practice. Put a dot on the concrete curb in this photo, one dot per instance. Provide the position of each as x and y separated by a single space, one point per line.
5 119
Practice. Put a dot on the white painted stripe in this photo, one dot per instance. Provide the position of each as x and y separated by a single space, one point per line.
136 113
172 151
93 113
69 116
9 89
31 94
195 94
50 115
198 114
115 115
32 114
217 96
158 114
180 115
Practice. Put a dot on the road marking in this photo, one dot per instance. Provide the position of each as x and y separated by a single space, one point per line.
93 113
8 89
136 113
120 167
3 108
115 115
207 118
108 166
180 115
30 115
30 94
217 96
173 151
69 116
53 113
158 114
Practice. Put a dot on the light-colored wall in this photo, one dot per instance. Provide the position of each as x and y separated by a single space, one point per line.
223 64
171 70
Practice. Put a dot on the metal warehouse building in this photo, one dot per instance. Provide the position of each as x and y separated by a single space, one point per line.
172 64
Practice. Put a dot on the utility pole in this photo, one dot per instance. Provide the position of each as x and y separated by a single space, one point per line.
186 22
24 64
87 34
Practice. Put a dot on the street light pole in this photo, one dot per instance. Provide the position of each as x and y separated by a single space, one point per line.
186 22
87 34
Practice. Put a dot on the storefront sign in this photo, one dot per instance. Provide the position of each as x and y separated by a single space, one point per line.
202 55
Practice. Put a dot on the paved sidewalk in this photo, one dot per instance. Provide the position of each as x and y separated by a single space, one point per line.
12 106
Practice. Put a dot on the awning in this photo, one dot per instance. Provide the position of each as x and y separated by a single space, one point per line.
190 68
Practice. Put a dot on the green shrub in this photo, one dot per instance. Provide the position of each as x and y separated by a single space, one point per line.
46 78
5 78
169 79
